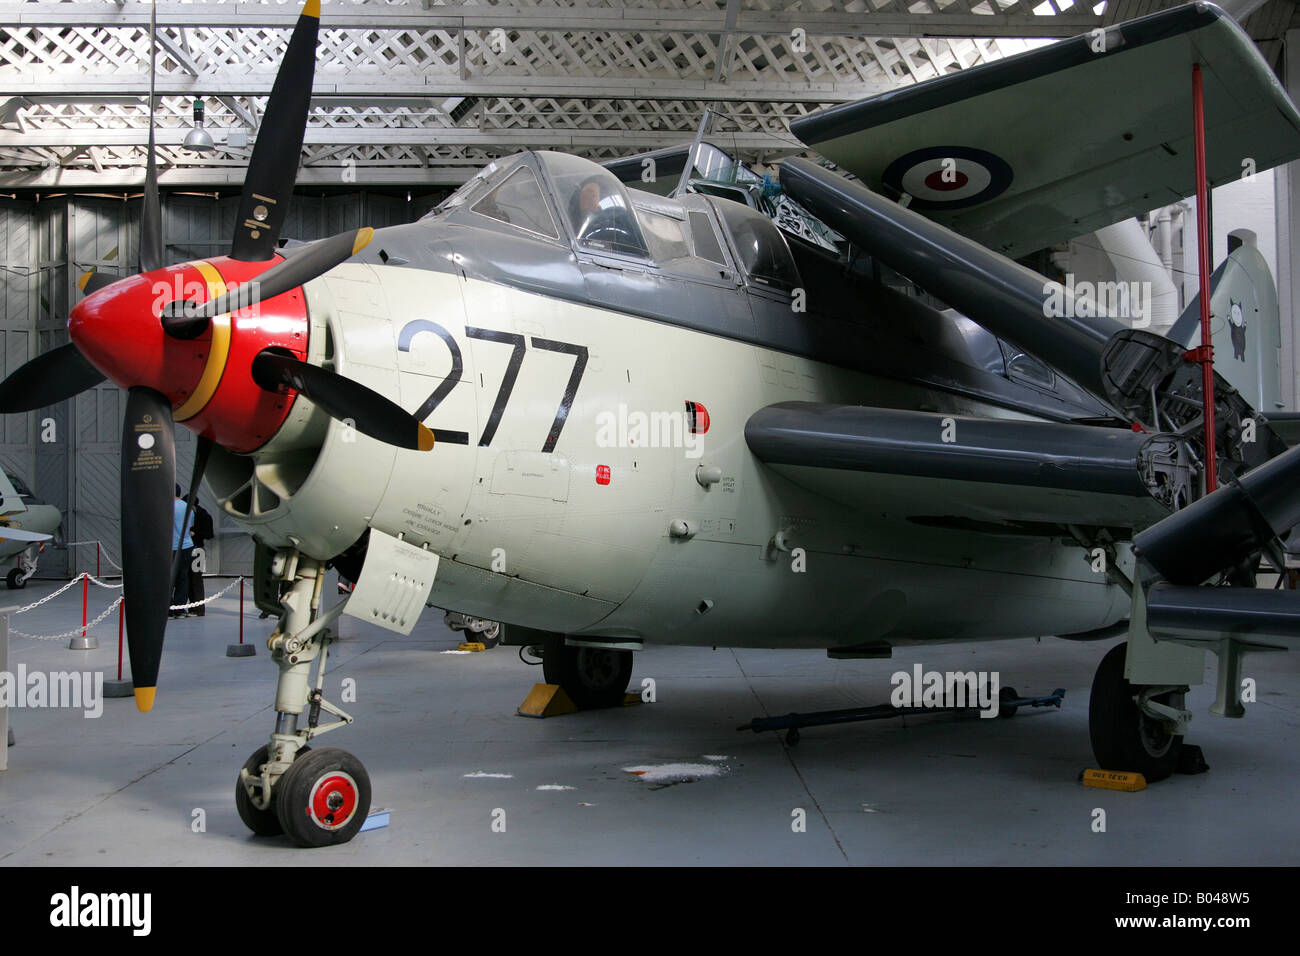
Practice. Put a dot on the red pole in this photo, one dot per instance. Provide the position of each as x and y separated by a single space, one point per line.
1204 354
241 610
85 593
121 612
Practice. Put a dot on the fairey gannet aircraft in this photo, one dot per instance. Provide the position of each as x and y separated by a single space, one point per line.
456 412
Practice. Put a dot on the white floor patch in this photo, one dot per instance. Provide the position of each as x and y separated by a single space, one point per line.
555 786
455 652
675 772
716 757
495 776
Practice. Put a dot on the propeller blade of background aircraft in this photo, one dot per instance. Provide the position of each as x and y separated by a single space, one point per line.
47 379
201 454
148 493
151 251
185 321
268 183
344 399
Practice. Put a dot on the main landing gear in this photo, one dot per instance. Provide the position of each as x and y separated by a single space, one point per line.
1135 728
593 677
315 797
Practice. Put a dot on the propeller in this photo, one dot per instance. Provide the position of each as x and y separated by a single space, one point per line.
151 251
342 398
148 438
48 379
273 167
92 281
148 490
187 320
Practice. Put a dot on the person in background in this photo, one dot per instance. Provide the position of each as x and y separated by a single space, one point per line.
202 532
182 545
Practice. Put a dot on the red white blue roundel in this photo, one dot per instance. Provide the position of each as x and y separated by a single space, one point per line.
948 177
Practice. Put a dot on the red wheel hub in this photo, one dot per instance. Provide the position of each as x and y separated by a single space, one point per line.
333 800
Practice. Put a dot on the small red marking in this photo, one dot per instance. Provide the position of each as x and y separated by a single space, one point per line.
1137 427
602 474
697 418
938 183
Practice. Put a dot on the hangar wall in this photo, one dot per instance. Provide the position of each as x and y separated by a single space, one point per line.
68 454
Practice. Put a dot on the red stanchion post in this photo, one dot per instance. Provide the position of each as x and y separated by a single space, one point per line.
241 649
85 596
119 687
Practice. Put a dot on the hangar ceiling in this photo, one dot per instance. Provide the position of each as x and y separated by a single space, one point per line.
423 92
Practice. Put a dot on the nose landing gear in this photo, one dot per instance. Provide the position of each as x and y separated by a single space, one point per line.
315 797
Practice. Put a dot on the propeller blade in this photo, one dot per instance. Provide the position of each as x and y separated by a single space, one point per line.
48 379
148 493
184 320
92 281
151 251
201 454
268 184
343 399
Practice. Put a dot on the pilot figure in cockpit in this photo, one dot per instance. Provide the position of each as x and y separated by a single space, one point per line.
599 217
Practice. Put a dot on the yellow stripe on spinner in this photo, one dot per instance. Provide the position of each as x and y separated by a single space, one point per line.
218 353
311 9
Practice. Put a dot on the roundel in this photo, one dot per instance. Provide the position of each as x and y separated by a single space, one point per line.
948 177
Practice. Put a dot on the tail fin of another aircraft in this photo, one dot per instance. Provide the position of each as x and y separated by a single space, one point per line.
1245 327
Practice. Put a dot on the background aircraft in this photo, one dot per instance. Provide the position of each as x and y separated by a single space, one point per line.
25 525
607 418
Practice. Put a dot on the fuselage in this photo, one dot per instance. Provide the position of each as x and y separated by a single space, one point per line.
591 475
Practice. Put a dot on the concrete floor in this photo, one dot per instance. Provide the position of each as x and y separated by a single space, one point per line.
938 790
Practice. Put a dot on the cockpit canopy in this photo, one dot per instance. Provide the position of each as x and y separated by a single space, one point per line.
605 218
597 206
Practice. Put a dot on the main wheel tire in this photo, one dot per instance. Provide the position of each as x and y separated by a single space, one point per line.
1124 738
491 635
593 677
323 798
261 822
15 579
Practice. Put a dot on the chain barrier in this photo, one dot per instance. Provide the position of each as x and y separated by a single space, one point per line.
75 632
103 552
83 628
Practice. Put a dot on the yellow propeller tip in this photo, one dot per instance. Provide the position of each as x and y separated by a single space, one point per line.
85 277
364 235
144 698
425 439
311 9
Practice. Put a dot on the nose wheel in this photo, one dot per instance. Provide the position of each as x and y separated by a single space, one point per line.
323 798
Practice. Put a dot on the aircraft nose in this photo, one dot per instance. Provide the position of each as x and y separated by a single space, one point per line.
118 330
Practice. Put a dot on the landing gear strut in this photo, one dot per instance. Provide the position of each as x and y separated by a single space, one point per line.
1134 727
315 797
